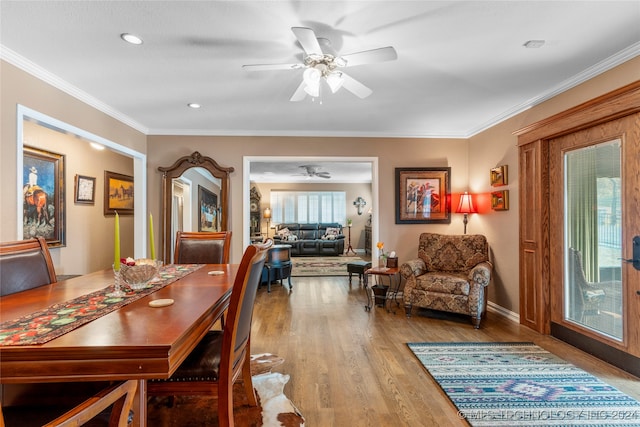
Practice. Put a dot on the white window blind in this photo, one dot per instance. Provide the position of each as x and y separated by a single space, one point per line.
307 207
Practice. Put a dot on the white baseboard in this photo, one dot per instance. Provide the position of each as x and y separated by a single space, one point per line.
495 308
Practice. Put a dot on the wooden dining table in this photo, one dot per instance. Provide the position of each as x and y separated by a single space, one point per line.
136 341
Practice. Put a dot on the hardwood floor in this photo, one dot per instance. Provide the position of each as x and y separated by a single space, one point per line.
349 367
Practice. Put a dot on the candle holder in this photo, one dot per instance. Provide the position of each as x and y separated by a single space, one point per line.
117 285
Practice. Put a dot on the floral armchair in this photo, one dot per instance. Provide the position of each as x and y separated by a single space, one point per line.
450 274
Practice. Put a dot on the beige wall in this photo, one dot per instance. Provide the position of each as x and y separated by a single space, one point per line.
85 223
470 161
391 153
498 146
84 238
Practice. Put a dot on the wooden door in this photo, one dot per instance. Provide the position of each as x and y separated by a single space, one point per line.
594 215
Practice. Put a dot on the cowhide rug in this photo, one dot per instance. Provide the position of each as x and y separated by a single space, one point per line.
274 408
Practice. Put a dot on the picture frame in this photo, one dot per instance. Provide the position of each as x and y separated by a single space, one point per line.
118 194
43 187
500 200
498 176
85 190
423 195
209 219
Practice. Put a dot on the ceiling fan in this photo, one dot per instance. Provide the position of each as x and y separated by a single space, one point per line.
313 170
319 66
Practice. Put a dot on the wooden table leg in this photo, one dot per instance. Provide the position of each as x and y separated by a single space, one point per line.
140 406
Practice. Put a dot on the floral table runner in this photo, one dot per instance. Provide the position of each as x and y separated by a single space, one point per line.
58 319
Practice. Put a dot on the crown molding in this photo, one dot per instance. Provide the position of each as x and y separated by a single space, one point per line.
37 71
613 61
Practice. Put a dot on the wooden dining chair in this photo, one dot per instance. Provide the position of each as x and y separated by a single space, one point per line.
25 264
193 247
222 356
111 407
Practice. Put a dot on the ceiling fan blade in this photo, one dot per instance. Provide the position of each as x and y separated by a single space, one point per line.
324 176
370 56
299 94
265 67
308 40
355 87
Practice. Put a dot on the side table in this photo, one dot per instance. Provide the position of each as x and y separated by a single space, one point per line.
391 293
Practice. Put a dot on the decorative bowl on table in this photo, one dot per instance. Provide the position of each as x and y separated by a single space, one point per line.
137 273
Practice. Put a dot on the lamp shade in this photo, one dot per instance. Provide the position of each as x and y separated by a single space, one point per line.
267 213
466 204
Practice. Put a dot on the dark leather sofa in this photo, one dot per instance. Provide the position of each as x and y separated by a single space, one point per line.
308 239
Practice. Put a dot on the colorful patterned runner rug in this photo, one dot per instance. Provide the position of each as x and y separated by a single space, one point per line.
521 384
58 319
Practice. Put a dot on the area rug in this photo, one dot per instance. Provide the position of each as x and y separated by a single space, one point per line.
521 384
321 266
274 407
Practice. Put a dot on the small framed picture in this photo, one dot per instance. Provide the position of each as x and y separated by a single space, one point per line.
500 200
499 176
118 194
85 192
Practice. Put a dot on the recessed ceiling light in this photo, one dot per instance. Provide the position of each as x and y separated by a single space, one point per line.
130 38
534 44
194 105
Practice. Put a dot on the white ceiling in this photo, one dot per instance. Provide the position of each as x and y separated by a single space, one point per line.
461 65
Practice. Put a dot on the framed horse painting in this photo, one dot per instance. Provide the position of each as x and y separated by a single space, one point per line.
118 194
43 195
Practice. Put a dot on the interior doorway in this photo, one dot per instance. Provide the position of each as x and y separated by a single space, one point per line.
343 161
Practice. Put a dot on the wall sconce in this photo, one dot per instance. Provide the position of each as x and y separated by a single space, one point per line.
359 203
267 215
466 207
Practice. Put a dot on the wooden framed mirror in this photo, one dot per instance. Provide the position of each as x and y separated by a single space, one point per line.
171 175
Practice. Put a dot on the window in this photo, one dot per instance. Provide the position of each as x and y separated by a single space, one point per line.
308 207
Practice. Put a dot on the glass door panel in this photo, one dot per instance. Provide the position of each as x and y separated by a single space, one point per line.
592 293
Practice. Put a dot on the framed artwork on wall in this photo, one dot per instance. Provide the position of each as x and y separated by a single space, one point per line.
209 215
500 200
85 190
118 194
43 191
423 195
498 176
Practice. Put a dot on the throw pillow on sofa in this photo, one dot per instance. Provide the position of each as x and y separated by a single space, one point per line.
291 238
284 233
331 233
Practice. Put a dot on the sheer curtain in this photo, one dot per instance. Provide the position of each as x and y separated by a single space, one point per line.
308 207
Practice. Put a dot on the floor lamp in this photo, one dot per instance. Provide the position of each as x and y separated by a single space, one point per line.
267 215
466 207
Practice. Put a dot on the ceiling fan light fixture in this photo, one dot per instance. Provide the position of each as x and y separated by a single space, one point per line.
313 90
335 81
311 77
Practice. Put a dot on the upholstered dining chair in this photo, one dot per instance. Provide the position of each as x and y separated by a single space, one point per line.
25 264
222 356
203 247
193 247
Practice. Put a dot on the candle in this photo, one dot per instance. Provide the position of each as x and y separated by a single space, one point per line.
116 251
151 241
